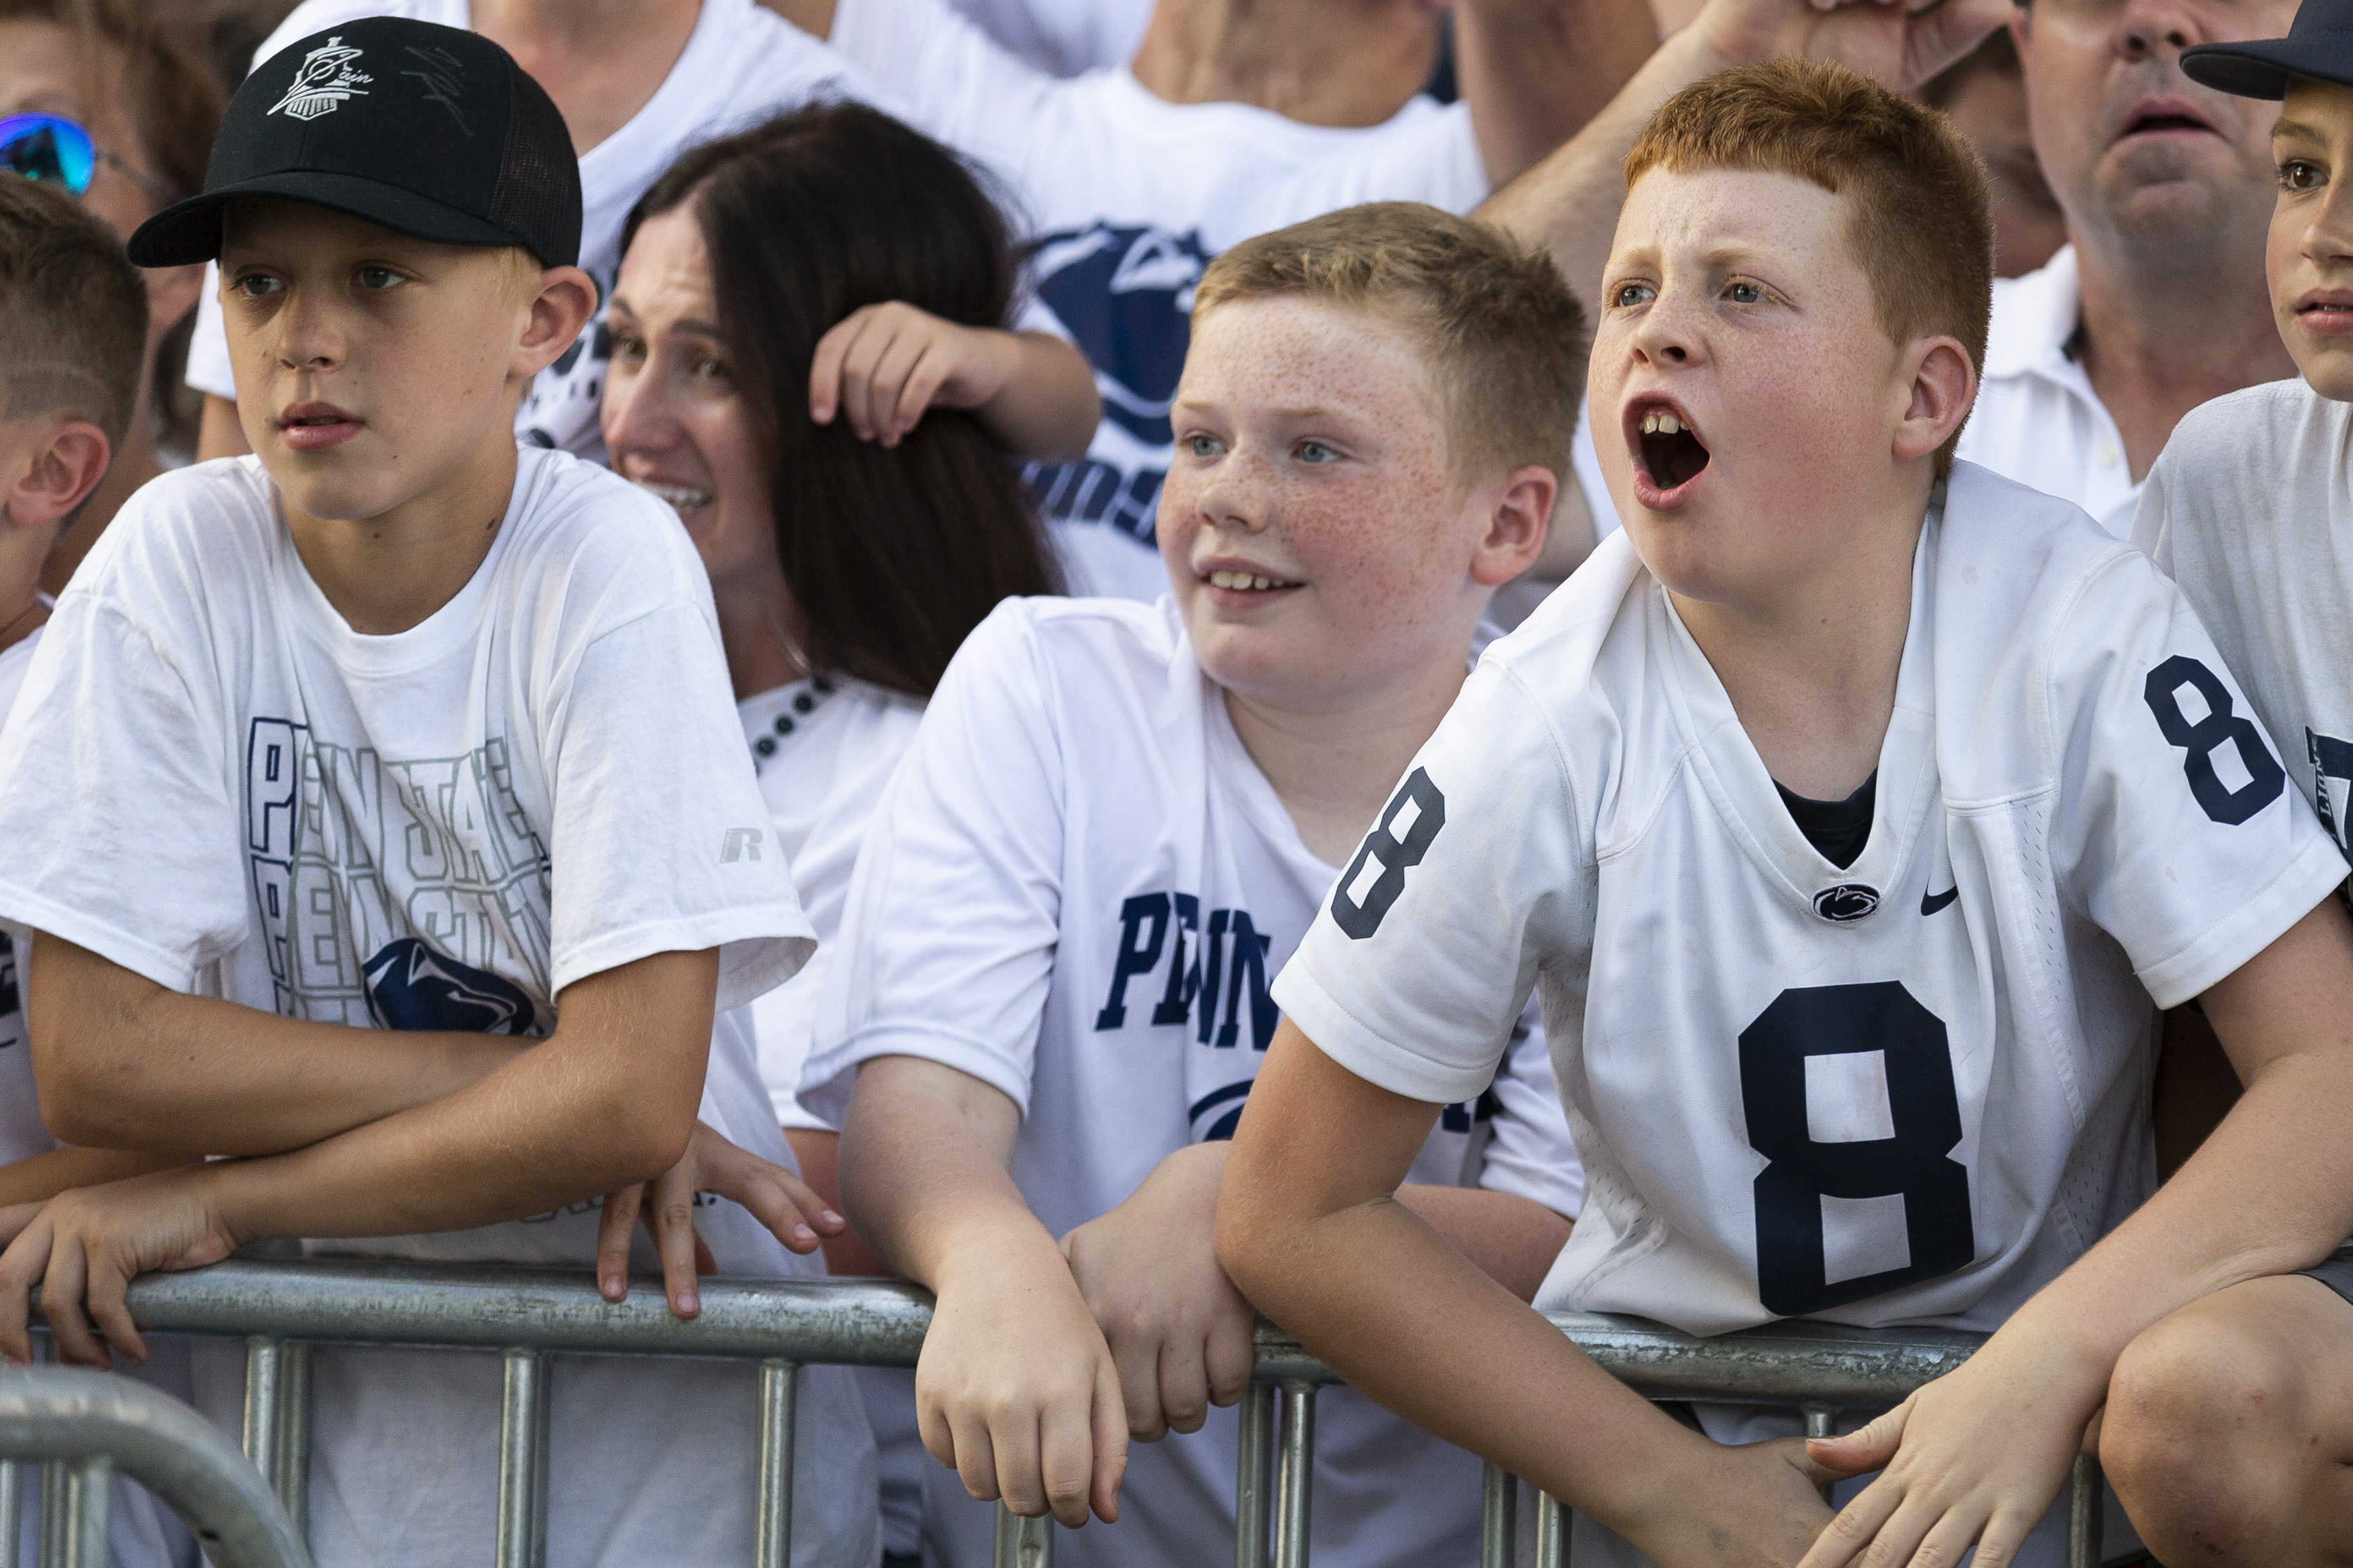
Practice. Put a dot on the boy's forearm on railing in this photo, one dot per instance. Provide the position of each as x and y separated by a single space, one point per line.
124 1063
1511 1240
43 1176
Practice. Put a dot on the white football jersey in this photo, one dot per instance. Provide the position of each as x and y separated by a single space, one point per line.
1909 1091
1076 888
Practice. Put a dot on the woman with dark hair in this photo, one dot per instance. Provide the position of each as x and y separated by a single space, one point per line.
811 364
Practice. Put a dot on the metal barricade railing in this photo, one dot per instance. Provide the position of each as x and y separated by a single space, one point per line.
782 1325
87 1426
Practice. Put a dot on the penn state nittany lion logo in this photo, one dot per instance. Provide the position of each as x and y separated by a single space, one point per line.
410 987
325 79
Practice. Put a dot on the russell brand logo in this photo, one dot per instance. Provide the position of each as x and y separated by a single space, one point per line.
323 84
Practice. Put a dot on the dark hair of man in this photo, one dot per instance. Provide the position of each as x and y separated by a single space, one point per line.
892 556
73 312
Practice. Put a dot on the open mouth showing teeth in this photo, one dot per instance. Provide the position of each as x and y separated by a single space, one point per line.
1671 453
1246 581
679 498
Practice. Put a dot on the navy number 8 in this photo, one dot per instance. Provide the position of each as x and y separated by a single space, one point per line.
1923 1107
2266 777
1362 919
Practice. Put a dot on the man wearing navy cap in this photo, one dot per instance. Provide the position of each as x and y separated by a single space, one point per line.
2229 1428
379 804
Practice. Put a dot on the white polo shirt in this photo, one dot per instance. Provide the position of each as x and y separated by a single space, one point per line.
2037 420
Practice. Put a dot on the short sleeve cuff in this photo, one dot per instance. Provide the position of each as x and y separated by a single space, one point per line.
760 948
831 1073
23 913
1339 1035
2231 942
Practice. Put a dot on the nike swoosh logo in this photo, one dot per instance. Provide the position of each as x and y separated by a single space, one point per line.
1931 902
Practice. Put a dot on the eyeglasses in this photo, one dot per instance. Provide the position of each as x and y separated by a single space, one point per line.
51 147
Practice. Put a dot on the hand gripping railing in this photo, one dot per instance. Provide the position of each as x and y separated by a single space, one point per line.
90 1425
782 1325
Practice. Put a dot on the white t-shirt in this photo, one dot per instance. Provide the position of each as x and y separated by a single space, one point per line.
2037 419
143 1533
1064 37
1076 889
823 748
438 828
741 65
2248 509
1128 196
2075 815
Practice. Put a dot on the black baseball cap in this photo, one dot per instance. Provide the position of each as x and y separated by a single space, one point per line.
430 132
2319 45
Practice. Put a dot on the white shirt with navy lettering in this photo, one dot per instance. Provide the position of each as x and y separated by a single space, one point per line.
438 828
1910 1091
1076 890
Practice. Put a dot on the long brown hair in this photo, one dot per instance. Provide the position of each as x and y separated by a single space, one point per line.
892 556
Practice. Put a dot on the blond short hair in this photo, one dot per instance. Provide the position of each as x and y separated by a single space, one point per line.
1501 338
1919 222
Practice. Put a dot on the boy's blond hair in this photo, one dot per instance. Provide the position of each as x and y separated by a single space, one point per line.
1501 337
1919 222
73 312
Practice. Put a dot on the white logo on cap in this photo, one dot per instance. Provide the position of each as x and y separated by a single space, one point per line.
325 79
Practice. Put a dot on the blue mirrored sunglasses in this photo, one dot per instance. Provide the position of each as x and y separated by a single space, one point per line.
51 147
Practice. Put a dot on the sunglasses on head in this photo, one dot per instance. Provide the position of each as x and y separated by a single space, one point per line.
51 147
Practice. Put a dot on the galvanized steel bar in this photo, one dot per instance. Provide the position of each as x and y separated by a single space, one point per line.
264 1403
1499 1523
1552 1532
12 1510
1821 1421
2084 1514
523 1462
54 1513
1254 1477
1295 1480
70 1418
779 1381
89 1497
293 1477
1023 1542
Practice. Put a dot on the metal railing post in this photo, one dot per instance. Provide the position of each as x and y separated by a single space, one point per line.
12 1510
1254 1477
55 1510
1023 1542
1294 1474
523 1462
291 1478
1821 1421
779 1381
89 1497
2084 1514
265 1404
1552 1532
1499 1522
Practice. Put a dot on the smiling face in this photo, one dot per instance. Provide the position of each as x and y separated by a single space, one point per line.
2310 258
372 368
674 419
1761 416
2140 157
1318 544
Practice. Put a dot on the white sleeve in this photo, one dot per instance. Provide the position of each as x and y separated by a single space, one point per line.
1431 156
1475 875
660 841
114 801
2153 513
957 83
1530 1152
2175 830
947 942
209 365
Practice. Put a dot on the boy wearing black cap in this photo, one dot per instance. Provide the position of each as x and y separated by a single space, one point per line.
2229 1432
429 933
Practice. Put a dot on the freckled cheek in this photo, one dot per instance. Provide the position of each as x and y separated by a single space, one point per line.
1376 550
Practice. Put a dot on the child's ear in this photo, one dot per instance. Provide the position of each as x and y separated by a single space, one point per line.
1518 518
565 301
1944 384
58 475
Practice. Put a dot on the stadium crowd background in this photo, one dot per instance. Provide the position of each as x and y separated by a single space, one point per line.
998 352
